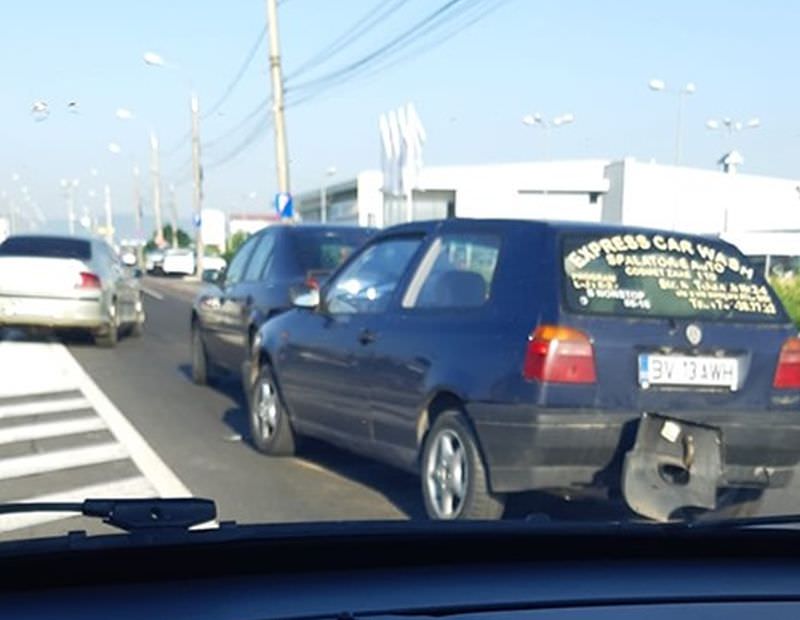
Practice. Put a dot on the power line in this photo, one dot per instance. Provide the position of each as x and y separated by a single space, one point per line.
366 22
239 74
424 26
395 56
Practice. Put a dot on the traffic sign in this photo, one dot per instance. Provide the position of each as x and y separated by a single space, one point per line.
284 206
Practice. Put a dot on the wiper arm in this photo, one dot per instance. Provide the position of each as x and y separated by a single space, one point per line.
131 515
744 522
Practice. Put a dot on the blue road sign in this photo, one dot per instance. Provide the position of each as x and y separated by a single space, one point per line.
284 206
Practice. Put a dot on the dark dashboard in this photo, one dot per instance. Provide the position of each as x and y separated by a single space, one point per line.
348 571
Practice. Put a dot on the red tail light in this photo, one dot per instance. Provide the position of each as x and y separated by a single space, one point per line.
88 280
559 355
787 374
311 282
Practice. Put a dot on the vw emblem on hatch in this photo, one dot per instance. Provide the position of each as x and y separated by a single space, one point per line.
694 334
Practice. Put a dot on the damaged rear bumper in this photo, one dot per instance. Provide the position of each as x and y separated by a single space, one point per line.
631 452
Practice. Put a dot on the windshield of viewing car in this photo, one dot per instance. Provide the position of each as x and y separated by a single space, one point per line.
416 260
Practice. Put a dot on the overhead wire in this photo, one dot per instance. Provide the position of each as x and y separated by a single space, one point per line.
378 13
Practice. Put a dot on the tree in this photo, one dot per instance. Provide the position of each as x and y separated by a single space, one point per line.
184 240
234 243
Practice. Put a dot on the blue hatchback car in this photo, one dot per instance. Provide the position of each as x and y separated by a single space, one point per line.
494 357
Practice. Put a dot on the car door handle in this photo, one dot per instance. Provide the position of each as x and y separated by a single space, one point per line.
366 337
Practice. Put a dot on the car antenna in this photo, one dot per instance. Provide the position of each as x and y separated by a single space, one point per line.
131 515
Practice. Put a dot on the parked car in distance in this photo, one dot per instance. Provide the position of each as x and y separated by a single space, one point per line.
68 282
153 260
263 275
495 357
178 261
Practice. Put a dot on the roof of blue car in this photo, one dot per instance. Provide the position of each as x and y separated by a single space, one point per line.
553 225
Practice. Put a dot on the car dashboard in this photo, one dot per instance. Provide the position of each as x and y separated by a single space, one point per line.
469 572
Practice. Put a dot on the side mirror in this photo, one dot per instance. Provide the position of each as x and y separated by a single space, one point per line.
213 276
304 297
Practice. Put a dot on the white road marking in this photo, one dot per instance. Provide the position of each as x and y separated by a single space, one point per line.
145 458
128 487
44 430
152 293
41 407
57 460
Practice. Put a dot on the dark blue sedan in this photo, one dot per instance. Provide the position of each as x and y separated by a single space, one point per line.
494 357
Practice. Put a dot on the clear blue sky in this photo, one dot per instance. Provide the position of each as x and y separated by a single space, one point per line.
591 58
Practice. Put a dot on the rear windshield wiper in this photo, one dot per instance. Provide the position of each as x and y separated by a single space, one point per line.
131 515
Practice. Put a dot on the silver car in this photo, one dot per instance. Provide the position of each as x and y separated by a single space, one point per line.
68 282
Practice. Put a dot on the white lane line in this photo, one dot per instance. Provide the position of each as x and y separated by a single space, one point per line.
44 430
128 487
166 483
57 460
152 293
37 408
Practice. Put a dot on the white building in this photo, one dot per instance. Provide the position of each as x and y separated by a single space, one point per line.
620 192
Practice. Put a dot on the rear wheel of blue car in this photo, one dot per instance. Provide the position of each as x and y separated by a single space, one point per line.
270 426
454 480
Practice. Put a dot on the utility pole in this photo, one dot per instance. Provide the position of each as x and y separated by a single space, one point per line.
137 209
109 218
156 172
173 207
197 195
281 150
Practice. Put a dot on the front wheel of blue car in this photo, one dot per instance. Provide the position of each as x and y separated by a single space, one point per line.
454 480
270 426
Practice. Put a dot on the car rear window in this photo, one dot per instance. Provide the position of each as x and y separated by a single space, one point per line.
322 251
664 275
48 247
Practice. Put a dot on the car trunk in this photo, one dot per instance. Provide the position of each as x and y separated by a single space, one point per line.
732 367
33 276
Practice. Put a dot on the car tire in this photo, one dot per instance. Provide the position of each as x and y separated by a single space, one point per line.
453 475
200 374
270 427
108 337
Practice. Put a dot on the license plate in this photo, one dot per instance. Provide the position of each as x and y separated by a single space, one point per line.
680 370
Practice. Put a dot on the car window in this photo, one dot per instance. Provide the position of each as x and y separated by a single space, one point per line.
238 264
662 275
322 251
261 256
49 247
457 272
366 285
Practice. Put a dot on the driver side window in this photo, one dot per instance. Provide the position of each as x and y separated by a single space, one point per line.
367 284
235 270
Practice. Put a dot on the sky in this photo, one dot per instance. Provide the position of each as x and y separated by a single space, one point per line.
591 58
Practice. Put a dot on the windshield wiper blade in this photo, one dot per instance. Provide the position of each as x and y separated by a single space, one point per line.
744 522
131 515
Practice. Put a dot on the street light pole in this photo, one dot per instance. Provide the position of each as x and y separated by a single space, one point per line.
173 209
281 149
109 217
689 89
197 195
323 195
156 176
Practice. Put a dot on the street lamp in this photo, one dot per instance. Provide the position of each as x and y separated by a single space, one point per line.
730 126
537 120
659 86
323 194
156 60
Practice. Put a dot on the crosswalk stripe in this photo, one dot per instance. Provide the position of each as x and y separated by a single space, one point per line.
128 487
57 460
44 430
49 406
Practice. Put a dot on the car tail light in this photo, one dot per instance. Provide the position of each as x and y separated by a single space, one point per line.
312 282
88 280
558 354
787 374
